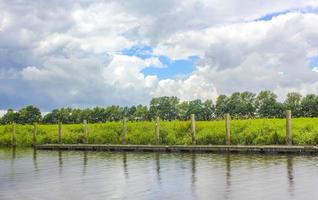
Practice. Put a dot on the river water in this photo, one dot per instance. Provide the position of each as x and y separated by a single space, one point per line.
28 174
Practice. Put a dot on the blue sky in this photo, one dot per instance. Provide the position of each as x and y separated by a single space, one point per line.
173 68
92 53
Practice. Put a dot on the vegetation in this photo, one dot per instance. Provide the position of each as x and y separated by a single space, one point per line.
241 105
245 132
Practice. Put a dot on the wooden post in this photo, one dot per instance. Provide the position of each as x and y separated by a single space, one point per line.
34 132
14 136
228 128
157 130
123 139
289 139
85 131
193 128
60 132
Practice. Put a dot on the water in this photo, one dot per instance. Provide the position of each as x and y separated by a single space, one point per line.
27 174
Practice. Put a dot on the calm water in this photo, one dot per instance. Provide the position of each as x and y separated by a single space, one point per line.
27 174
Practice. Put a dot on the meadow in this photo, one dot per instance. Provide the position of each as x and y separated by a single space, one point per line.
244 132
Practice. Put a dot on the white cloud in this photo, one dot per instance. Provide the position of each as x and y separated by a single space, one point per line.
2 112
70 54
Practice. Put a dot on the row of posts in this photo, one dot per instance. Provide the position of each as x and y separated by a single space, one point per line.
157 135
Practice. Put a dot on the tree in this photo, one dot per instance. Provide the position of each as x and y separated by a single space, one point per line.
267 105
141 113
164 107
293 103
29 115
114 113
10 117
221 106
208 110
182 110
309 106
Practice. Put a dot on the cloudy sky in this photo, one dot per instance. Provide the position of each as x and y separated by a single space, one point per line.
85 53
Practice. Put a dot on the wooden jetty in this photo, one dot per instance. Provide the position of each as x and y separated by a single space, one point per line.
271 149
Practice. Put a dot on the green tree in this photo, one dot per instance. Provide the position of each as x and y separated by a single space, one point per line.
164 107
29 115
222 106
309 106
267 105
293 103
10 117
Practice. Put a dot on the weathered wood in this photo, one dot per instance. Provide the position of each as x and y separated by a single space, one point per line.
14 135
193 128
124 132
228 128
187 148
34 132
158 130
85 131
289 139
60 132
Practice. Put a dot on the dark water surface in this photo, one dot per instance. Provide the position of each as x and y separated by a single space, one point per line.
27 174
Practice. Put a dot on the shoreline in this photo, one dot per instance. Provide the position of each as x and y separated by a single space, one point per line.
261 149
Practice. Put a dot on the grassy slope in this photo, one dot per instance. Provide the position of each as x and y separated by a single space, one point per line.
256 131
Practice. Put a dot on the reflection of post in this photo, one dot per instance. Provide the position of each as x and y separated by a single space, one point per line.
60 162
13 153
193 177
35 163
158 166
290 173
228 176
125 164
12 174
85 162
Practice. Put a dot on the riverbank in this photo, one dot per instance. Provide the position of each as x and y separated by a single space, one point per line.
270 149
243 132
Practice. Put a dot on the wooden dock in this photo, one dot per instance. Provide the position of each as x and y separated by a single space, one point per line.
270 149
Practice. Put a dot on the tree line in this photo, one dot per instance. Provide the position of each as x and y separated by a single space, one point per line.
240 105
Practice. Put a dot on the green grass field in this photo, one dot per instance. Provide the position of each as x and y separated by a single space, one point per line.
245 132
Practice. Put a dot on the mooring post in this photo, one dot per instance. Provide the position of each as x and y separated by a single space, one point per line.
34 132
228 128
124 140
289 138
14 136
193 128
60 132
158 130
85 131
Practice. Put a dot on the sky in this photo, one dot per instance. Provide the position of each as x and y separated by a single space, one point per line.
86 53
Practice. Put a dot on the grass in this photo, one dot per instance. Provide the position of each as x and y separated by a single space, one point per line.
245 132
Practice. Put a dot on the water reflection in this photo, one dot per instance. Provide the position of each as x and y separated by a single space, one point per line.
157 157
154 175
84 162
290 174
14 153
60 162
227 190
35 162
193 174
13 157
125 165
